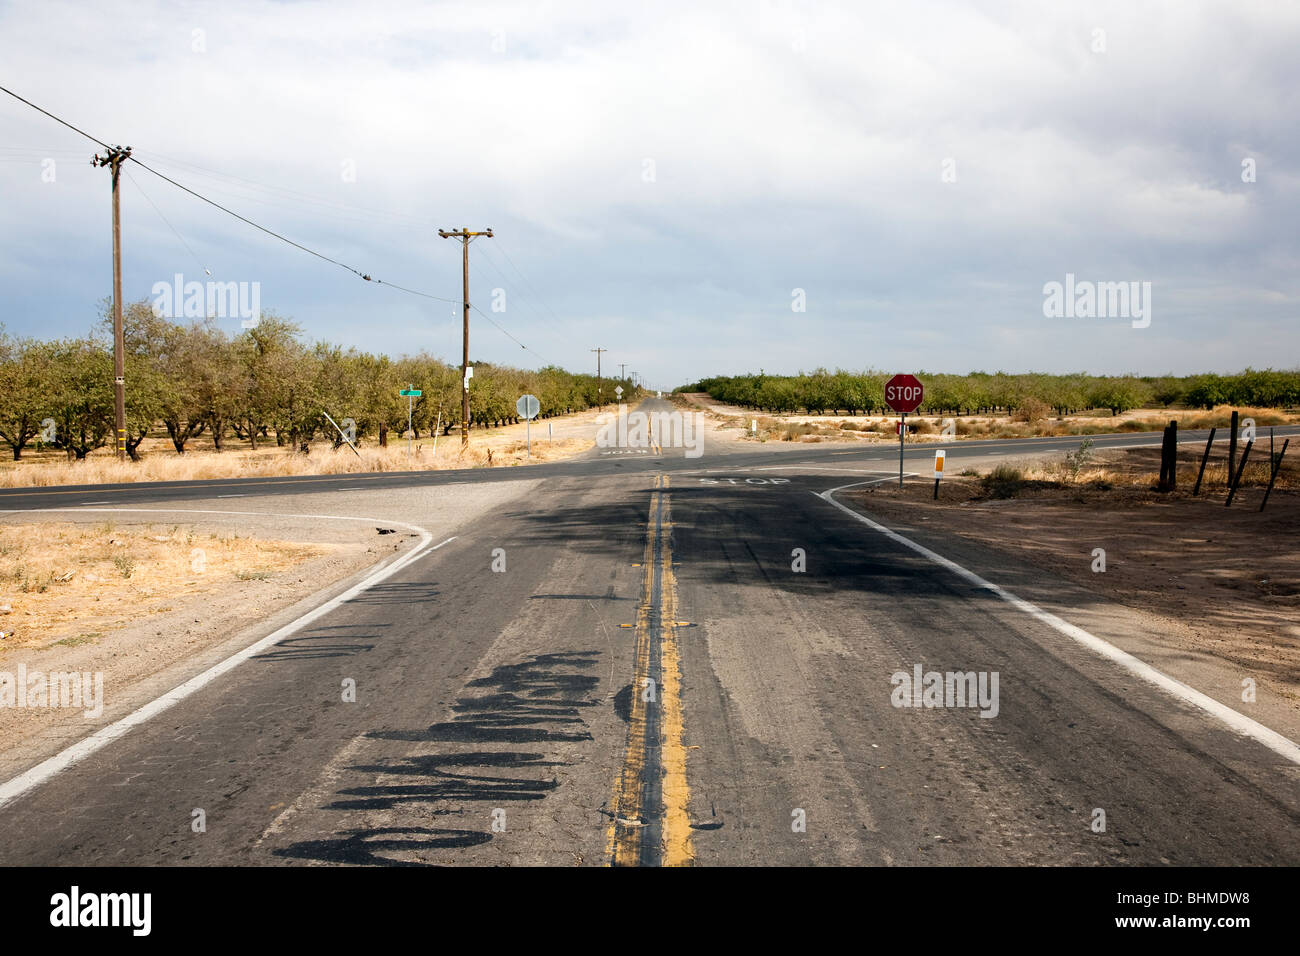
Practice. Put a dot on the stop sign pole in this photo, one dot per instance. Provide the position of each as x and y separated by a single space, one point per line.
902 438
903 394
528 406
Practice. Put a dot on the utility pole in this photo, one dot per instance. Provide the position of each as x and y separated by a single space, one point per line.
465 237
114 157
599 400
622 371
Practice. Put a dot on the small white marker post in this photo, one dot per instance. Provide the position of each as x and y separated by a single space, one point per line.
938 470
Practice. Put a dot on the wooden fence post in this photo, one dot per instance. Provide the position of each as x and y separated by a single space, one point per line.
1204 458
1169 458
1232 447
1277 466
1232 489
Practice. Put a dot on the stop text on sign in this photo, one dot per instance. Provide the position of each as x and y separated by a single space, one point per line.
903 393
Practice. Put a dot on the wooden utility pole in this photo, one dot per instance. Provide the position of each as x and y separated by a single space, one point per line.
465 237
114 157
600 403
622 371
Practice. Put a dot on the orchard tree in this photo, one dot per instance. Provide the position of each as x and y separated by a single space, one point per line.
26 380
1118 394
82 396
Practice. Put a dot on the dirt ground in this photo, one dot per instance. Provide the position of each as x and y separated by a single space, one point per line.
130 628
1225 580
68 584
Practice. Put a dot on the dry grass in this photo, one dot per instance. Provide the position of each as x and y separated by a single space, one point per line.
1033 422
159 462
1132 471
70 583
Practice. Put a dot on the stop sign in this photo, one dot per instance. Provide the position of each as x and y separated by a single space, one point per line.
903 393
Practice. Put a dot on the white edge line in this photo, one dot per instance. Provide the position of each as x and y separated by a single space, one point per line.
1239 722
46 769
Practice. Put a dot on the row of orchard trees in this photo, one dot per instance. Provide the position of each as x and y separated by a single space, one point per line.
984 392
265 384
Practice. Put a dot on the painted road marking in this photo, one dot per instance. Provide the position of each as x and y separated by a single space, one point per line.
626 806
748 481
1239 722
801 468
649 823
676 794
101 738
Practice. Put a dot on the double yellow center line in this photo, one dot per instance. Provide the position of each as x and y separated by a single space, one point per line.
649 822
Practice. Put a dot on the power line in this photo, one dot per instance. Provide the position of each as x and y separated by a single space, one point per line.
248 190
258 226
229 212
527 282
292 193
507 334
550 326
539 316
55 118
296 245
169 225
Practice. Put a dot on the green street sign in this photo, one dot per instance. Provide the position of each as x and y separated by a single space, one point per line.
413 392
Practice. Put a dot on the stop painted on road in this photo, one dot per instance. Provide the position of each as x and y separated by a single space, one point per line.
746 481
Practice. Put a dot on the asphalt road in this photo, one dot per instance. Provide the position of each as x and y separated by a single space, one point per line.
684 661
595 464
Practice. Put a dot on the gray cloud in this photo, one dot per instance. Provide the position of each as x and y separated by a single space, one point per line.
793 146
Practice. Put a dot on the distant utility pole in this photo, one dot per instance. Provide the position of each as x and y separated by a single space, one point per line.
114 157
599 402
622 371
465 237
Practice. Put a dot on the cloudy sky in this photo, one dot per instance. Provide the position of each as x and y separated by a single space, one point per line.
662 178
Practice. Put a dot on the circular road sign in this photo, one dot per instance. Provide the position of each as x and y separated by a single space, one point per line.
528 406
903 393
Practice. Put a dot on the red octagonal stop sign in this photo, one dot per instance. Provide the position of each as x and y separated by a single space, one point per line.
903 393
